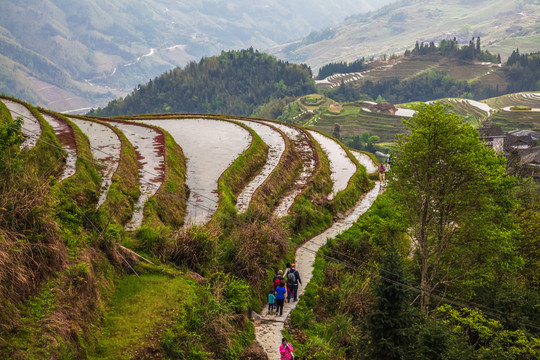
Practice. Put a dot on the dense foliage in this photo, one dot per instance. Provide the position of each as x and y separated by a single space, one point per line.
341 68
365 297
451 49
234 83
524 71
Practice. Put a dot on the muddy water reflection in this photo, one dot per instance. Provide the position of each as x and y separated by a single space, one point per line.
365 160
149 146
341 166
64 133
106 148
210 147
276 145
31 128
303 145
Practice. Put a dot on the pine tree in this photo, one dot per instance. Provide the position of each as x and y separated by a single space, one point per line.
391 317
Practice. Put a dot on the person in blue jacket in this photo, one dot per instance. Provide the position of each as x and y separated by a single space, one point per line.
280 297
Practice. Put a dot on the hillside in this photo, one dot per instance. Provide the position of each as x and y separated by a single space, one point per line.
233 83
81 279
503 25
68 55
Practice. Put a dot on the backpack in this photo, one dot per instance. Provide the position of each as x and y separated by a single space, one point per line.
291 277
277 281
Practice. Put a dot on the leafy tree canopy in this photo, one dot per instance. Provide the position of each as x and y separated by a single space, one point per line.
234 83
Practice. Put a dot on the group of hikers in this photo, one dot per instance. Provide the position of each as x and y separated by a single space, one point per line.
383 169
289 278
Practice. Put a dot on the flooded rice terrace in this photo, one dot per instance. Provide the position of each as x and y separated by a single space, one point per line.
106 147
365 160
31 128
276 145
341 166
65 136
302 144
210 147
150 148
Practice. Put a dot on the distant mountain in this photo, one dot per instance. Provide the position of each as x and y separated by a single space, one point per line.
65 54
503 25
233 83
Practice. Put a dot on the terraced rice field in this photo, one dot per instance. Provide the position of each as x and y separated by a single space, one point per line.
341 165
304 147
274 140
65 136
106 148
149 146
31 129
511 120
354 121
210 147
531 99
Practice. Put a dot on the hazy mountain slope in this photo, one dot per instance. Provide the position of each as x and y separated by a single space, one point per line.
503 26
94 46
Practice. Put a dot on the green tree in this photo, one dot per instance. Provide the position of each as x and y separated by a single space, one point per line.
390 320
456 196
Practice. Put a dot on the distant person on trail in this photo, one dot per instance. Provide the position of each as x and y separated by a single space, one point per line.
280 297
286 350
382 169
288 267
271 301
278 278
293 278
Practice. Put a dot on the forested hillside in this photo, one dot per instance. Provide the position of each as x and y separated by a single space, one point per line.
233 83
71 54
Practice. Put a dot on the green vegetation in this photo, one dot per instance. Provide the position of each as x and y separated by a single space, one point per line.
235 83
139 312
365 298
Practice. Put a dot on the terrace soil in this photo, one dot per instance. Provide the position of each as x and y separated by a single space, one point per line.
31 128
276 145
341 166
268 327
106 148
210 147
150 149
303 145
65 136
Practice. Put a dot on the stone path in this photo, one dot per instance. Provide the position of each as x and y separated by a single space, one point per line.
268 327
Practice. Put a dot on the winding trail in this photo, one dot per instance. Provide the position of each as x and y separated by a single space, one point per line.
276 145
268 327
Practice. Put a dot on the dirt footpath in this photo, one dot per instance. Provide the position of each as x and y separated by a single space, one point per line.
268 327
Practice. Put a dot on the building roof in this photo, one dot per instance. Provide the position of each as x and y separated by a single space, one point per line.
490 132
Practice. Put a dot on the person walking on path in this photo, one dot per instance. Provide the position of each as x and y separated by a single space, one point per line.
286 350
382 169
271 301
293 278
280 297
278 278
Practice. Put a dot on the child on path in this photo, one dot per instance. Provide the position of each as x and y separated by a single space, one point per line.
280 297
286 350
271 301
